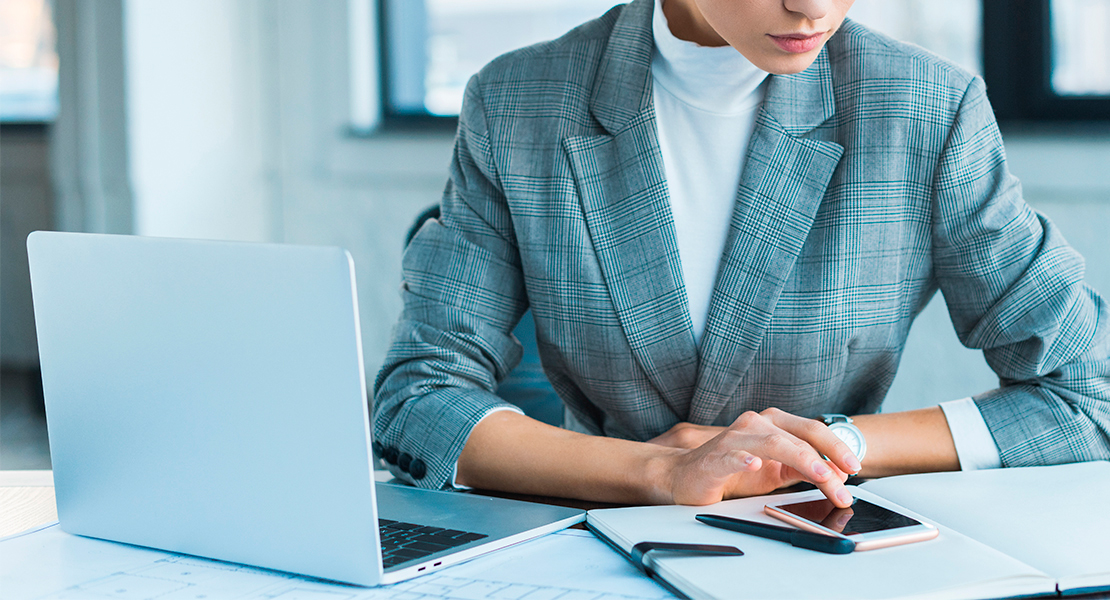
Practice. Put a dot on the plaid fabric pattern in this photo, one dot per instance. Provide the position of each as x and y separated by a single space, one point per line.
874 178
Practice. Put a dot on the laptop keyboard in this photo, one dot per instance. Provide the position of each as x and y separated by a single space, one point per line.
402 542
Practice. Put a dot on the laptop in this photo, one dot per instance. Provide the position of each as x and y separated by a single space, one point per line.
209 398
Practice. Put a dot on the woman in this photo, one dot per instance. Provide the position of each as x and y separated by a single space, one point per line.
724 216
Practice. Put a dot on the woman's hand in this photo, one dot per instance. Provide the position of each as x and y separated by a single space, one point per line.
758 453
692 464
687 435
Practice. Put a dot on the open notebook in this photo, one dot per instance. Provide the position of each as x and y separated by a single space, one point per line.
1004 533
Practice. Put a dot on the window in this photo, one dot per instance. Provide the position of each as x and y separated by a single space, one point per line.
949 28
1047 60
1080 47
28 62
434 46
1042 59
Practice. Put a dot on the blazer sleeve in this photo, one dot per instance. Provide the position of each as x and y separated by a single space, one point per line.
1014 288
463 293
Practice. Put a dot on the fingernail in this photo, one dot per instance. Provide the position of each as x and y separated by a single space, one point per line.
820 469
852 462
843 519
844 496
749 460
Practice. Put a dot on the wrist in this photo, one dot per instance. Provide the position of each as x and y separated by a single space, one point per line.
876 464
916 441
657 470
845 429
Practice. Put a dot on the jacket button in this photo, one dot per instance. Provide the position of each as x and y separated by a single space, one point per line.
390 455
404 461
417 469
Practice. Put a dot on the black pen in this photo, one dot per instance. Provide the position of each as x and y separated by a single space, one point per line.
795 537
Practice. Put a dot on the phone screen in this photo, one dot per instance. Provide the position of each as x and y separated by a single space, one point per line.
861 517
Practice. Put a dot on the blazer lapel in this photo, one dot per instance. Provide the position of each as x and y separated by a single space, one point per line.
623 192
781 188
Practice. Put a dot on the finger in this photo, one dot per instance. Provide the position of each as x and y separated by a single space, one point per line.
708 471
818 435
844 495
764 438
769 441
781 446
833 489
752 462
724 456
793 476
837 472
686 436
727 461
789 476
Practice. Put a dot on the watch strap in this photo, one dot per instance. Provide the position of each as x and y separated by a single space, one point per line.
830 418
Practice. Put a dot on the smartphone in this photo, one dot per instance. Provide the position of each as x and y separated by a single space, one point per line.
869 525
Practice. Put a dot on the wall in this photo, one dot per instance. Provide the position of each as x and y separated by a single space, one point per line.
238 129
201 156
25 205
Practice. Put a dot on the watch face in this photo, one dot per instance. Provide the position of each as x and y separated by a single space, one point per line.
850 436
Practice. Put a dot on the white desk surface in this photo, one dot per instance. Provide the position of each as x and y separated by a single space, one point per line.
26 500
539 566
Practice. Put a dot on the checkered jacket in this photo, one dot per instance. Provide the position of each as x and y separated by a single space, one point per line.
873 179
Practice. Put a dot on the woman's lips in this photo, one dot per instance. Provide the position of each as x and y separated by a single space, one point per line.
798 43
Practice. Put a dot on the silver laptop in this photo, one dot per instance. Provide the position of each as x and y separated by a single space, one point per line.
209 398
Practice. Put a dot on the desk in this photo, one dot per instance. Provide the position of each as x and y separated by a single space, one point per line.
89 568
26 500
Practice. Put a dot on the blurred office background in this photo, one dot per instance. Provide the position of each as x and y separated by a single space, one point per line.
331 122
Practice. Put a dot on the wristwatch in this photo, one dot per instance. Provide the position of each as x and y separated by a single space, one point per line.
848 433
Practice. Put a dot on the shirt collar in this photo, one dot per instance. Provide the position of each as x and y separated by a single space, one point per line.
713 79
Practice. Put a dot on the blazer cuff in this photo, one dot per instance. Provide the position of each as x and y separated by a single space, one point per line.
421 441
454 481
975 445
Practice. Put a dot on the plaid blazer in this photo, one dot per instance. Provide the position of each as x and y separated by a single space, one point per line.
873 179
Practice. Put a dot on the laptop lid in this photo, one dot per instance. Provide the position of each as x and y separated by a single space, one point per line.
208 398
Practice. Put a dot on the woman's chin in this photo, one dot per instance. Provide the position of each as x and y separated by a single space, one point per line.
778 62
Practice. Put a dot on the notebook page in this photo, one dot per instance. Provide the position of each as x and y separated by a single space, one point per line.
1053 518
949 567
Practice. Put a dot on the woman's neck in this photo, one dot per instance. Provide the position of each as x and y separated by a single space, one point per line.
687 23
